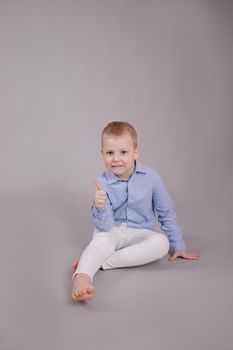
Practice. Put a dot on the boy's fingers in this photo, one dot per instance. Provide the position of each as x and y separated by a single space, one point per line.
193 256
101 194
98 185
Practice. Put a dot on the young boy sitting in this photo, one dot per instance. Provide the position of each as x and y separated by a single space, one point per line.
129 199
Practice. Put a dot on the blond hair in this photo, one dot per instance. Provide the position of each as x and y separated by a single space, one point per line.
119 129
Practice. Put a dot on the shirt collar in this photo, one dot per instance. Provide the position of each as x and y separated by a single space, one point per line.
111 178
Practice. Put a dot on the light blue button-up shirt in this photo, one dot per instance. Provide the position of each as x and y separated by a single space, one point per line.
140 202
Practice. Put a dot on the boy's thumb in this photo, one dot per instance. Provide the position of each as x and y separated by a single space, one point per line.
98 185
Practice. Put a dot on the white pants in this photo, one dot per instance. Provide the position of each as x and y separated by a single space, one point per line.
122 246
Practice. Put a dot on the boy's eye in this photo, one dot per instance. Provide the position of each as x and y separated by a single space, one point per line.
110 153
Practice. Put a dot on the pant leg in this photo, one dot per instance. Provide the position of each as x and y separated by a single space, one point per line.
102 245
142 247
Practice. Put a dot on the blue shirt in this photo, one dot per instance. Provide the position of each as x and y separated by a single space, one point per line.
140 201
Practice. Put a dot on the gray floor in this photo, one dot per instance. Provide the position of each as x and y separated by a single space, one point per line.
68 68
164 305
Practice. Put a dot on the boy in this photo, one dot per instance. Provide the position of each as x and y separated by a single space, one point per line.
129 198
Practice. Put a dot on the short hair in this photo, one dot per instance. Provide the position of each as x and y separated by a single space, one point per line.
119 129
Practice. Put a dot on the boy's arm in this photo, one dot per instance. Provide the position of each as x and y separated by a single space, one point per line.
102 213
163 206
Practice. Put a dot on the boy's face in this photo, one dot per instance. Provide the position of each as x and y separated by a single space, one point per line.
119 155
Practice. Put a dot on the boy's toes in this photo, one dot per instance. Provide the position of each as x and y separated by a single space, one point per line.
82 292
90 289
78 293
74 296
86 296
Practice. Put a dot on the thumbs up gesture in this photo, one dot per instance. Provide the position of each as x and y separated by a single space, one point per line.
100 195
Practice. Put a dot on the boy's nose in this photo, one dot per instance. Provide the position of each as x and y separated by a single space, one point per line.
115 158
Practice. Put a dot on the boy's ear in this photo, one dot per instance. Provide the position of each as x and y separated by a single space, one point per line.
136 152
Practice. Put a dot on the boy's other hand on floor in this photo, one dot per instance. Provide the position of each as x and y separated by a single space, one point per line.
185 255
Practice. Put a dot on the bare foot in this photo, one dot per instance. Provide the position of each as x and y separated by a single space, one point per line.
82 287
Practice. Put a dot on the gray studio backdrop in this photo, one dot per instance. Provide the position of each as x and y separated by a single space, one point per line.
67 69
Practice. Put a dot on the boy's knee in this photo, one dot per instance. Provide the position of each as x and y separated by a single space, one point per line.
163 242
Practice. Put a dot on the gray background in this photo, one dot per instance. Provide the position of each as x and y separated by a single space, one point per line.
68 68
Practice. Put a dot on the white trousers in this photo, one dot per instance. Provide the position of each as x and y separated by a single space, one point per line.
122 246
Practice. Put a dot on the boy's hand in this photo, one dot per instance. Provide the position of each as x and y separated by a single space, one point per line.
185 255
100 196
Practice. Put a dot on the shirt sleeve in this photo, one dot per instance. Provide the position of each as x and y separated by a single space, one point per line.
163 206
103 218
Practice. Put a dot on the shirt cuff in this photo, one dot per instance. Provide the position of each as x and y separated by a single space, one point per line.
97 212
178 246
